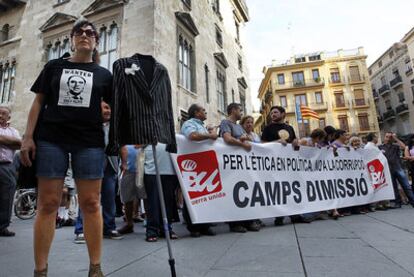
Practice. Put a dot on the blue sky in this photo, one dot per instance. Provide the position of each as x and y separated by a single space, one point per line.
279 28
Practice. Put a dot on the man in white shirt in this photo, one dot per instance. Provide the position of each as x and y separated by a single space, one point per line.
9 143
372 141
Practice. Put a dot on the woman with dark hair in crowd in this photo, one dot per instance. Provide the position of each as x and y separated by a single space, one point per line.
67 116
317 139
409 157
330 135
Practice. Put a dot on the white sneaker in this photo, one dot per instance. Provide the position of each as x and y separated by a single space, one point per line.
79 239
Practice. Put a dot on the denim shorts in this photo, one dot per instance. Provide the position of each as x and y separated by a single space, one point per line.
53 161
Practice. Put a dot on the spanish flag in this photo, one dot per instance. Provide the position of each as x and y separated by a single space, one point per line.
308 112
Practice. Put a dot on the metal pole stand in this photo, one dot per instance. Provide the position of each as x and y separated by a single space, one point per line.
171 260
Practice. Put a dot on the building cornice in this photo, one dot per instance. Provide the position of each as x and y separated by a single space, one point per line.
242 9
57 20
188 22
102 5
408 35
386 66
221 58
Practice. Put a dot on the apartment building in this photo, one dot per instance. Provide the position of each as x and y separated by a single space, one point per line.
334 84
392 82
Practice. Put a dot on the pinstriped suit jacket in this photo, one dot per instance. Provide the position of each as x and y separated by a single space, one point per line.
141 113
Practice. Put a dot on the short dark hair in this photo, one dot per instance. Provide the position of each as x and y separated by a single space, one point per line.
279 108
232 106
329 130
82 22
318 133
192 110
370 137
338 133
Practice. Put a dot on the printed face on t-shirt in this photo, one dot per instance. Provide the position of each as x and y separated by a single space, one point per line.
76 85
75 88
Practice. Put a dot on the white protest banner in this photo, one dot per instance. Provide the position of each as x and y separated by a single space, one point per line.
226 183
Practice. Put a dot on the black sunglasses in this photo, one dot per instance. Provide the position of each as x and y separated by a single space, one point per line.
88 33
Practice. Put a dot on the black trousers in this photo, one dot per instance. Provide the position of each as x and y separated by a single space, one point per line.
7 190
153 212
193 227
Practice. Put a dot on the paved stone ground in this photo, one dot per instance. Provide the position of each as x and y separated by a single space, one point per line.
377 244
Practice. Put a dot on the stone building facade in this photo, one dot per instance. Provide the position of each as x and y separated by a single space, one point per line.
333 84
198 41
393 89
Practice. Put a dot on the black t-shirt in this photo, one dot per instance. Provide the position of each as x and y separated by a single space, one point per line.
276 131
71 113
392 152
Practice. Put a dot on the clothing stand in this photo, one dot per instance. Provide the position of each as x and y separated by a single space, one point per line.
171 260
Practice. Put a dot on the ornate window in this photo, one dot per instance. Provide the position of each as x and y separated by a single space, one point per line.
207 77
187 3
221 90
7 79
4 33
185 63
58 48
215 4
108 45
242 93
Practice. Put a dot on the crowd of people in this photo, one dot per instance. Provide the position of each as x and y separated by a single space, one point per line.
66 139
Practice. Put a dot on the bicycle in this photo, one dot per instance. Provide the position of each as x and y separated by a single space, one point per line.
25 204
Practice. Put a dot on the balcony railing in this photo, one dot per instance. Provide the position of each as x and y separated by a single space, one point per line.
397 81
336 80
384 89
301 84
389 115
401 109
409 71
367 128
341 105
360 102
290 109
356 79
314 106
318 106
380 119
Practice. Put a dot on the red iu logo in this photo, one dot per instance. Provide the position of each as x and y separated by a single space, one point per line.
376 171
200 173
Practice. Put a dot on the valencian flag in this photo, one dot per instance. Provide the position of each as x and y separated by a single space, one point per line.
308 112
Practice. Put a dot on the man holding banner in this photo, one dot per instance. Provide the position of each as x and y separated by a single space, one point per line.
194 129
279 131
234 134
